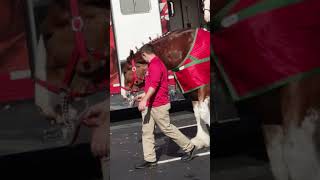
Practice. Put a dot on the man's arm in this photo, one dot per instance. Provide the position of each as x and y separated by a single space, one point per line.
155 78
149 94
143 102
97 117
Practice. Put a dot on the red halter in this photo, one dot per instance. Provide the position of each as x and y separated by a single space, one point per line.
135 77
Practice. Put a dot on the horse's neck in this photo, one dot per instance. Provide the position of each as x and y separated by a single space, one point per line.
173 48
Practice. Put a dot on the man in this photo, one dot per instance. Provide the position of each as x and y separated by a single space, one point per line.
154 104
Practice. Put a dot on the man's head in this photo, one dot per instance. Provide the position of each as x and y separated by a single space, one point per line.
147 52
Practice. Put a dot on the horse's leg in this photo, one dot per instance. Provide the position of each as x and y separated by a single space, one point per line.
204 104
300 147
204 107
274 138
206 9
202 139
300 105
267 108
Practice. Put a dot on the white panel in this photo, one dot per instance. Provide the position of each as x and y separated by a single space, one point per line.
23 74
134 29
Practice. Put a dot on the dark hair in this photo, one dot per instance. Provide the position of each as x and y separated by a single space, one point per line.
148 48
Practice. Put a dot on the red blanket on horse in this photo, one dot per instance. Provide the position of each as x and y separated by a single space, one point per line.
194 71
274 45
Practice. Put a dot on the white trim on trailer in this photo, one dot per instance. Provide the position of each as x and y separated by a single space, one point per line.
23 74
134 29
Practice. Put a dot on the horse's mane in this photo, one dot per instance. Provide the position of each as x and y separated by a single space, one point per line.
154 41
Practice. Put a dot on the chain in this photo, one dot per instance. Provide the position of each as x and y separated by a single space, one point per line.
68 124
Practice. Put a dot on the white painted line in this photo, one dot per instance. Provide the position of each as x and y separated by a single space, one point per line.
203 154
179 158
229 120
192 125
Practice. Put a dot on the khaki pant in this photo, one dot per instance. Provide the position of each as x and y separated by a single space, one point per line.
160 116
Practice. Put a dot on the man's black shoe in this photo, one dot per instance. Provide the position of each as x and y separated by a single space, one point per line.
189 155
145 164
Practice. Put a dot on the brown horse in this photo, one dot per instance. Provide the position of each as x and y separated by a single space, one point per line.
172 49
59 41
290 119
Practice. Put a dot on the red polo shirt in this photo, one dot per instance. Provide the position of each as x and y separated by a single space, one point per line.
157 77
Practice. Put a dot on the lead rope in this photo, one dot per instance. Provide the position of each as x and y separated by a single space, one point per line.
68 126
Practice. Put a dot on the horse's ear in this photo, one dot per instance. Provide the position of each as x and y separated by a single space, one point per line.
131 53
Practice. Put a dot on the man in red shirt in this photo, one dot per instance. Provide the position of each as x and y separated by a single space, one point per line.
154 104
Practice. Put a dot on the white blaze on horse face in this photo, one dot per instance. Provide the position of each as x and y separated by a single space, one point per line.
206 10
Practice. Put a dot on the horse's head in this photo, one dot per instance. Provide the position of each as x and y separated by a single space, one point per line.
60 40
133 72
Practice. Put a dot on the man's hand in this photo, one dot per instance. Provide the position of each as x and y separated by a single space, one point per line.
95 115
139 97
100 140
97 118
142 104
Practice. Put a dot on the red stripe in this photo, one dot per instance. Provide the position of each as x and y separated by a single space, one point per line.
70 68
164 9
79 37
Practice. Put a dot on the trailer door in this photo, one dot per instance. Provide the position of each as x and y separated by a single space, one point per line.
134 22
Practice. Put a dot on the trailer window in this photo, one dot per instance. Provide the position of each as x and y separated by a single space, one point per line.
134 6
